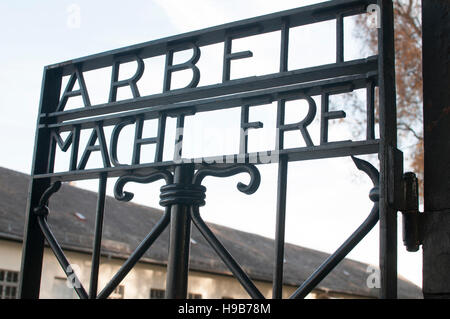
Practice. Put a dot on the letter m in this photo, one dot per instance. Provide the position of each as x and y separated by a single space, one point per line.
72 139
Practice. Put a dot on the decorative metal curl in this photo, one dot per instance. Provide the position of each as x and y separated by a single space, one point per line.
374 175
42 211
42 208
332 261
208 234
124 196
253 185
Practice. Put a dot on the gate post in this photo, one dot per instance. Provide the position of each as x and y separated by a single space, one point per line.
388 152
180 235
436 115
33 242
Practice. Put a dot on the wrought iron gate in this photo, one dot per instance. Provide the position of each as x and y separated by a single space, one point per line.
184 194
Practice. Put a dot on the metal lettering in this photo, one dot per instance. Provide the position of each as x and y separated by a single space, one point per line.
69 92
72 139
327 115
190 64
97 134
139 140
228 56
114 139
245 126
302 125
131 82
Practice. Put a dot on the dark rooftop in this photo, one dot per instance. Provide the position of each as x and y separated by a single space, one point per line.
72 217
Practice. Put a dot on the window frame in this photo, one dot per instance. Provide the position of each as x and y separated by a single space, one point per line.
9 282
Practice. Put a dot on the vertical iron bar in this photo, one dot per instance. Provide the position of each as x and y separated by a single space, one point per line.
178 153
325 107
280 122
388 143
180 234
75 147
167 73
96 250
160 138
226 65
137 138
370 105
284 51
339 38
243 143
33 242
277 289
280 228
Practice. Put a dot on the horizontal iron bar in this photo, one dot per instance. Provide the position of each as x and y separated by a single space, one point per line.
335 85
334 149
248 27
59 254
339 255
367 66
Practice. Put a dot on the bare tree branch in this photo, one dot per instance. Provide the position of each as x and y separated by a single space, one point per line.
404 126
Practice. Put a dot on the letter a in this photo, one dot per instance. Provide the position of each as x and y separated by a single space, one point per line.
68 92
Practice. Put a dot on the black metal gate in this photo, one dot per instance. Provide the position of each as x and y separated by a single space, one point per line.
184 194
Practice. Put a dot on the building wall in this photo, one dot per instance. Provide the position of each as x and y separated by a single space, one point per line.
137 283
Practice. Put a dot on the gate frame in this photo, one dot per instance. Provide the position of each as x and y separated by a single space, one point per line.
390 157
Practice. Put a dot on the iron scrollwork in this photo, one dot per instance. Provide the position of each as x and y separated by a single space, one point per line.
184 198
328 265
124 196
193 195
41 212
227 258
155 232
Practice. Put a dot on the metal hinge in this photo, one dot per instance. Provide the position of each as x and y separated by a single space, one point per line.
403 194
413 220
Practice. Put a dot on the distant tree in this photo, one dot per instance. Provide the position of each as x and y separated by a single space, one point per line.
408 70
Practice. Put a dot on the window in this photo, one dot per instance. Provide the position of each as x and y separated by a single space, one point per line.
157 293
118 293
9 284
194 296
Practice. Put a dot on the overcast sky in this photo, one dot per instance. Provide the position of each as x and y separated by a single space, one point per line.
327 199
